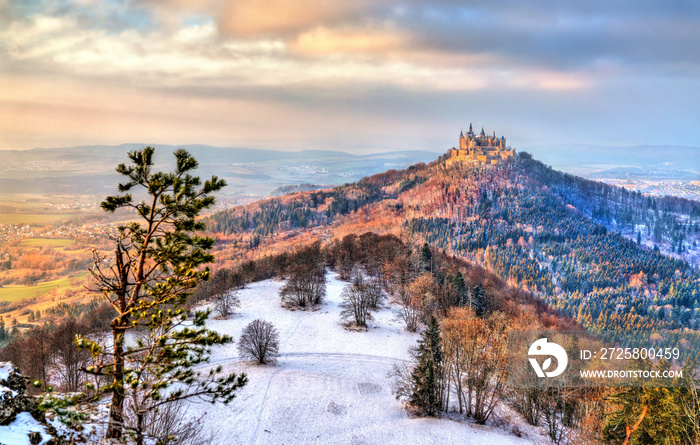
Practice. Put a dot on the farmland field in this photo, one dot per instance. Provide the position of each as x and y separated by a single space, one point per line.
36 218
41 242
18 292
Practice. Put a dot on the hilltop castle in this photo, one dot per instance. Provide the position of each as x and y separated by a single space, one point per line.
487 149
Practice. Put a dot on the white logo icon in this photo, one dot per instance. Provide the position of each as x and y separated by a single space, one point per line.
541 347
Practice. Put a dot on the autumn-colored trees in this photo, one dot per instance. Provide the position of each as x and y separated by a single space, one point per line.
476 357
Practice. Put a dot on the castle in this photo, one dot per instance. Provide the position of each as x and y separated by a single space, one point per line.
487 149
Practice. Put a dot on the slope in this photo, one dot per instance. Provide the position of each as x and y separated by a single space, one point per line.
329 385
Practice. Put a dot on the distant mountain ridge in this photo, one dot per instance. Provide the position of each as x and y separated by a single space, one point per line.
666 161
90 169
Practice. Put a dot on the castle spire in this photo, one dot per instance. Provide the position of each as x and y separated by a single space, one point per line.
482 131
461 134
470 128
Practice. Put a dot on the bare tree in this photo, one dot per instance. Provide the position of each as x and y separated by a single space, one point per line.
408 312
401 380
259 341
305 287
169 424
31 353
359 297
355 305
227 302
476 357
374 293
222 288
69 360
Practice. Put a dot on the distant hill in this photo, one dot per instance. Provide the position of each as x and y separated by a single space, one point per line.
89 170
669 162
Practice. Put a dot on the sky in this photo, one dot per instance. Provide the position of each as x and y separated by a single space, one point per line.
358 76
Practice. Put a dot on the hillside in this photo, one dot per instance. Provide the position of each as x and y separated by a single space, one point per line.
570 241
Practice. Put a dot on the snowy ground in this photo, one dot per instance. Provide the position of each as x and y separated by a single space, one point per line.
329 385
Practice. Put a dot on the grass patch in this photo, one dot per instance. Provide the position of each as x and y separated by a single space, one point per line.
41 242
16 292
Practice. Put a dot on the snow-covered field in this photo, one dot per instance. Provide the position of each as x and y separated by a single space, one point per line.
329 385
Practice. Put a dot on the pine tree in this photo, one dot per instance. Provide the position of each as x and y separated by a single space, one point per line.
427 393
158 260
651 415
426 258
479 300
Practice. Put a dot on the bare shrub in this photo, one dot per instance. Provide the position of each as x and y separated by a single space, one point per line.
169 424
259 341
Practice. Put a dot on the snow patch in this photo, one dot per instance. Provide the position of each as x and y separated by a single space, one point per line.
17 433
329 386
5 370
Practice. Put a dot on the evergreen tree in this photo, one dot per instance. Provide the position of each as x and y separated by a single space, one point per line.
426 258
479 300
652 415
427 392
158 260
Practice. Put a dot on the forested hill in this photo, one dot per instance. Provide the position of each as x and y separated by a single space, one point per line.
591 250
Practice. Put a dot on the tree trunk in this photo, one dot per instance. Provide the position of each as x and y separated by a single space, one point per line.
139 427
116 409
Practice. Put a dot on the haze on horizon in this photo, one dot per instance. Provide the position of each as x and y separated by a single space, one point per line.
357 76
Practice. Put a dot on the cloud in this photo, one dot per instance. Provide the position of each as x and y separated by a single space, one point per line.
330 64
322 40
261 17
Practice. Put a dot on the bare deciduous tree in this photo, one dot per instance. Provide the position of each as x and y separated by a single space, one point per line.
259 341
170 424
359 297
69 360
222 288
227 302
476 357
408 312
374 293
304 287
306 283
